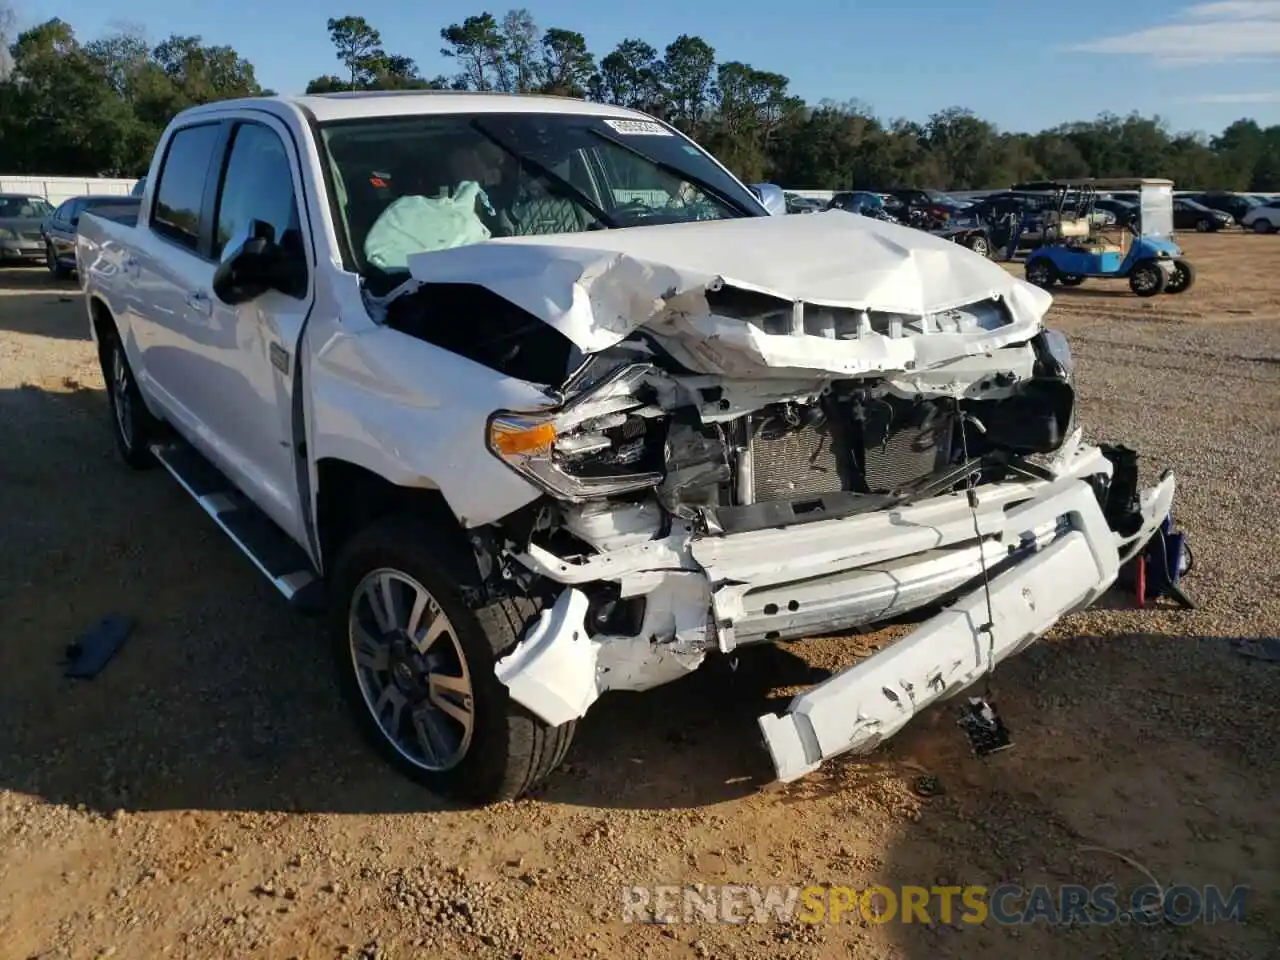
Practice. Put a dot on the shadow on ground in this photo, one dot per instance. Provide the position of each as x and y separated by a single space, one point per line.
1082 800
37 304
222 698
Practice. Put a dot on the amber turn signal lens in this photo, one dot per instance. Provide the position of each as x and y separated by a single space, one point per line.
521 439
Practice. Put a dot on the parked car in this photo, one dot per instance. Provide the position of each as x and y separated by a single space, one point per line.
20 218
799 204
1264 218
59 230
514 476
1236 204
1190 215
861 201
933 205
1124 211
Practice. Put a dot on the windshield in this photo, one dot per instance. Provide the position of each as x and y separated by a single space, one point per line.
24 207
405 185
1193 205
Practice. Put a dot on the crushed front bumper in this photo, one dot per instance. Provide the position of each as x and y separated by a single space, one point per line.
1045 545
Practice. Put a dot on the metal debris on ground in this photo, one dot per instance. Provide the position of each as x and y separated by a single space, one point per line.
983 728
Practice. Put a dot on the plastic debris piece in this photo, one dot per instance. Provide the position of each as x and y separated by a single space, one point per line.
93 650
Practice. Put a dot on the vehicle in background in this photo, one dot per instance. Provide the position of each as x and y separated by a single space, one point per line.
139 188
1190 215
21 216
922 208
59 230
1073 250
1236 204
863 202
1264 218
652 427
1124 212
798 204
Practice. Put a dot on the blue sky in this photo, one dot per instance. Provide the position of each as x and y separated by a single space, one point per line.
1024 65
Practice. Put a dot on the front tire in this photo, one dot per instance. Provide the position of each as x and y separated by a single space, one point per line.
1262 226
1184 275
1146 279
415 663
1041 272
132 423
58 271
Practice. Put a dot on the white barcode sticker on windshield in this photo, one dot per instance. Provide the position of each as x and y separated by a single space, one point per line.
641 128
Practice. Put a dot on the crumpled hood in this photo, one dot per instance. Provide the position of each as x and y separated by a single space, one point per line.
599 286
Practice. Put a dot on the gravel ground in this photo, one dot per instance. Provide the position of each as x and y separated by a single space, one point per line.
206 797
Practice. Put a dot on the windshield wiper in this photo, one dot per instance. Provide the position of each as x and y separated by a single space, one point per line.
676 172
539 169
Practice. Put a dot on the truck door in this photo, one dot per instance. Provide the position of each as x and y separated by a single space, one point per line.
245 396
168 267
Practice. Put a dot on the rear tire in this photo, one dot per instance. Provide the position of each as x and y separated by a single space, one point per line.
440 717
1262 226
1203 226
979 245
132 423
1184 276
1146 279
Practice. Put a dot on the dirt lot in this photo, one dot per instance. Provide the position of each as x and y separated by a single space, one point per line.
206 797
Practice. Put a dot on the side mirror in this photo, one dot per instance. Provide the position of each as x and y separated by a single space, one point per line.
771 195
259 264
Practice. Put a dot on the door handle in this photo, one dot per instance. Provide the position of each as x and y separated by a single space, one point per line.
198 300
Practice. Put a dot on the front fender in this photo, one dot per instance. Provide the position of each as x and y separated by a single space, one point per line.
416 415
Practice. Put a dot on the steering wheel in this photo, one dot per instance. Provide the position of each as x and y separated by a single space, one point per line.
636 208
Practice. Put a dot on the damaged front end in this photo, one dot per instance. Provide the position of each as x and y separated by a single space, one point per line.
731 466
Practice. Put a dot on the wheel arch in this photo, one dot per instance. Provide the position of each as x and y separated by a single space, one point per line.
350 497
102 322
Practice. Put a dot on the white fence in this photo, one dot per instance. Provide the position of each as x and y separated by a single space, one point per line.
57 189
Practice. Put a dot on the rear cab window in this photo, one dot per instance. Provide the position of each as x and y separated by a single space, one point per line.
179 193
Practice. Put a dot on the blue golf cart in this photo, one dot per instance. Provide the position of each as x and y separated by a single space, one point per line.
1073 247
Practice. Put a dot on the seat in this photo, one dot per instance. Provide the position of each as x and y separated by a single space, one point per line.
539 212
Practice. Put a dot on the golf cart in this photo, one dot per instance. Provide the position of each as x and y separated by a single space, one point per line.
1072 247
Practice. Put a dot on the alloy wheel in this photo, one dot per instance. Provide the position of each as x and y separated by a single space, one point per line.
411 669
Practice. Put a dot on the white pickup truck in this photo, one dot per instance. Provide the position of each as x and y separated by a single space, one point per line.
536 400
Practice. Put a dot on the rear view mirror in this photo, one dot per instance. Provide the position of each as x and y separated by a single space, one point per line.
259 264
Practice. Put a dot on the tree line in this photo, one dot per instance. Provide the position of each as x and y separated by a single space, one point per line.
96 108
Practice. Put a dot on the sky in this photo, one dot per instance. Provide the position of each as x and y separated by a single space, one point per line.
1022 65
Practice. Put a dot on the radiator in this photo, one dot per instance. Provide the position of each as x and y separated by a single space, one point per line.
794 461
904 442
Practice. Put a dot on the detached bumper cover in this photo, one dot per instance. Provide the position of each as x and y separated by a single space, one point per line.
860 707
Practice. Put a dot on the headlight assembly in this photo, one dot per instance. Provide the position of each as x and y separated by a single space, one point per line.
607 441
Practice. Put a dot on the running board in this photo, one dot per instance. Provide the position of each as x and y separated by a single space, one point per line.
279 559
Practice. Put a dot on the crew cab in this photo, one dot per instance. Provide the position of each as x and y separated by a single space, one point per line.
533 400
